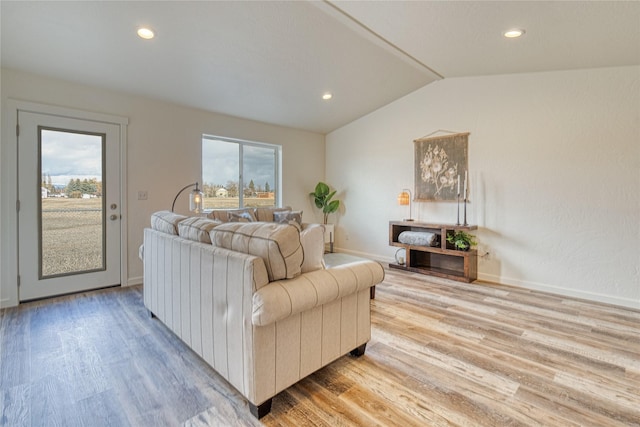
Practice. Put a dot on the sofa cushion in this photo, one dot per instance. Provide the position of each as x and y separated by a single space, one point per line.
197 228
241 215
277 244
166 221
312 240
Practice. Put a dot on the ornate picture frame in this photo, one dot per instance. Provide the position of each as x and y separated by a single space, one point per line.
441 165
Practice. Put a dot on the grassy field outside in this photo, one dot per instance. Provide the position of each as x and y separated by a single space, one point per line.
71 235
232 202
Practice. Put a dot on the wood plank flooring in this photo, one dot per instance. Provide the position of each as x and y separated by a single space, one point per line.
442 354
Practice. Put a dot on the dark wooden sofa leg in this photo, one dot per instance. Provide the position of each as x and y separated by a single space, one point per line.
359 351
153 316
372 292
260 410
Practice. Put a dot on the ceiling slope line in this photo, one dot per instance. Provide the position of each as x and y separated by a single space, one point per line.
382 39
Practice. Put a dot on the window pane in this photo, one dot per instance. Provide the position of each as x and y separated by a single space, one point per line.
71 205
239 173
259 176
220 173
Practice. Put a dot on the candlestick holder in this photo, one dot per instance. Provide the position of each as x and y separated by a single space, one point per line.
465 212
458 198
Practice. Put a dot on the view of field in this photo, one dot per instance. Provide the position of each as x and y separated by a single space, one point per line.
232 202
71 235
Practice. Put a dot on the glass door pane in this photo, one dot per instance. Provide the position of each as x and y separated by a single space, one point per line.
71 206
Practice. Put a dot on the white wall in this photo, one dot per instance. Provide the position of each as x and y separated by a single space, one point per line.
164 143
554 160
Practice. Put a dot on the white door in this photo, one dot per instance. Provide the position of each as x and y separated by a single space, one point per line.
69 205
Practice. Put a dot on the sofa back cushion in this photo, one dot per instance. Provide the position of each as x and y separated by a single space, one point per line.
277 244
197 228
166 221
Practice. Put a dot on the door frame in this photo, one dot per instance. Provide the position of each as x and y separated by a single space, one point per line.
9 293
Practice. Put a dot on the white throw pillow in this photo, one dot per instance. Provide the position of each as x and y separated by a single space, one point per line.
312 240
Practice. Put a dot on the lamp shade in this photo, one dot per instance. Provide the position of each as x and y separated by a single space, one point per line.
403 198
195 200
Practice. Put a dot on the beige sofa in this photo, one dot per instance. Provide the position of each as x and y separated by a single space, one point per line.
257 304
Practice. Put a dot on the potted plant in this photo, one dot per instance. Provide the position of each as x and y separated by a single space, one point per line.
322 198
461 240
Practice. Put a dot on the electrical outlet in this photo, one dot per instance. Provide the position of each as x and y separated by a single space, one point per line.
143 195
484 253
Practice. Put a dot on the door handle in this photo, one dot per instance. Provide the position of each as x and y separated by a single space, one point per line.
113 217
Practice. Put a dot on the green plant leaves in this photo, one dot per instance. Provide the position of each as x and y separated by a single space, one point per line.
461 239
332 206
322 198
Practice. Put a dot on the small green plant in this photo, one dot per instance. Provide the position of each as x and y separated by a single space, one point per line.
322 198
461 240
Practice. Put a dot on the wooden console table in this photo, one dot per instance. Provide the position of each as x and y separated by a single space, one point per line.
442 260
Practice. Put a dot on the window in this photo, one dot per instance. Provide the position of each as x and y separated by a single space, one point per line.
237 174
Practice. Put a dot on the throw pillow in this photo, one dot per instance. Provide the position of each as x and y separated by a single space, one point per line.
265 214
312 240
241 216
289 217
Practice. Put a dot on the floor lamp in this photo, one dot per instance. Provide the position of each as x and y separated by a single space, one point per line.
195 198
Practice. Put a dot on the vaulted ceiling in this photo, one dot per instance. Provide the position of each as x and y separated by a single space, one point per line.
272 61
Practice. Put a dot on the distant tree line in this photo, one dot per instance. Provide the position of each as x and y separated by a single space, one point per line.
75 188
250 190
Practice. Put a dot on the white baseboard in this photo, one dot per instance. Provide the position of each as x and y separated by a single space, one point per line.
374 257
8 302
575 293
134 281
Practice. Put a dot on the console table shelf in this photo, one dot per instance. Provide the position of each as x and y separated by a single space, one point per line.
442 260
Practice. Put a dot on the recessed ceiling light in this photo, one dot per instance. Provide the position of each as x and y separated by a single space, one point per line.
327 96
146 33
513 33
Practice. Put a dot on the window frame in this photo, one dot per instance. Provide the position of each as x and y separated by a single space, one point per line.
241 144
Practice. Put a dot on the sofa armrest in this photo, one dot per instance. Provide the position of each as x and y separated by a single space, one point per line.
283 298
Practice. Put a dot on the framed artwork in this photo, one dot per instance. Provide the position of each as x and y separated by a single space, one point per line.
441 164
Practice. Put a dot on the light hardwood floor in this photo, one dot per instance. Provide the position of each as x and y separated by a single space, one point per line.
441 354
